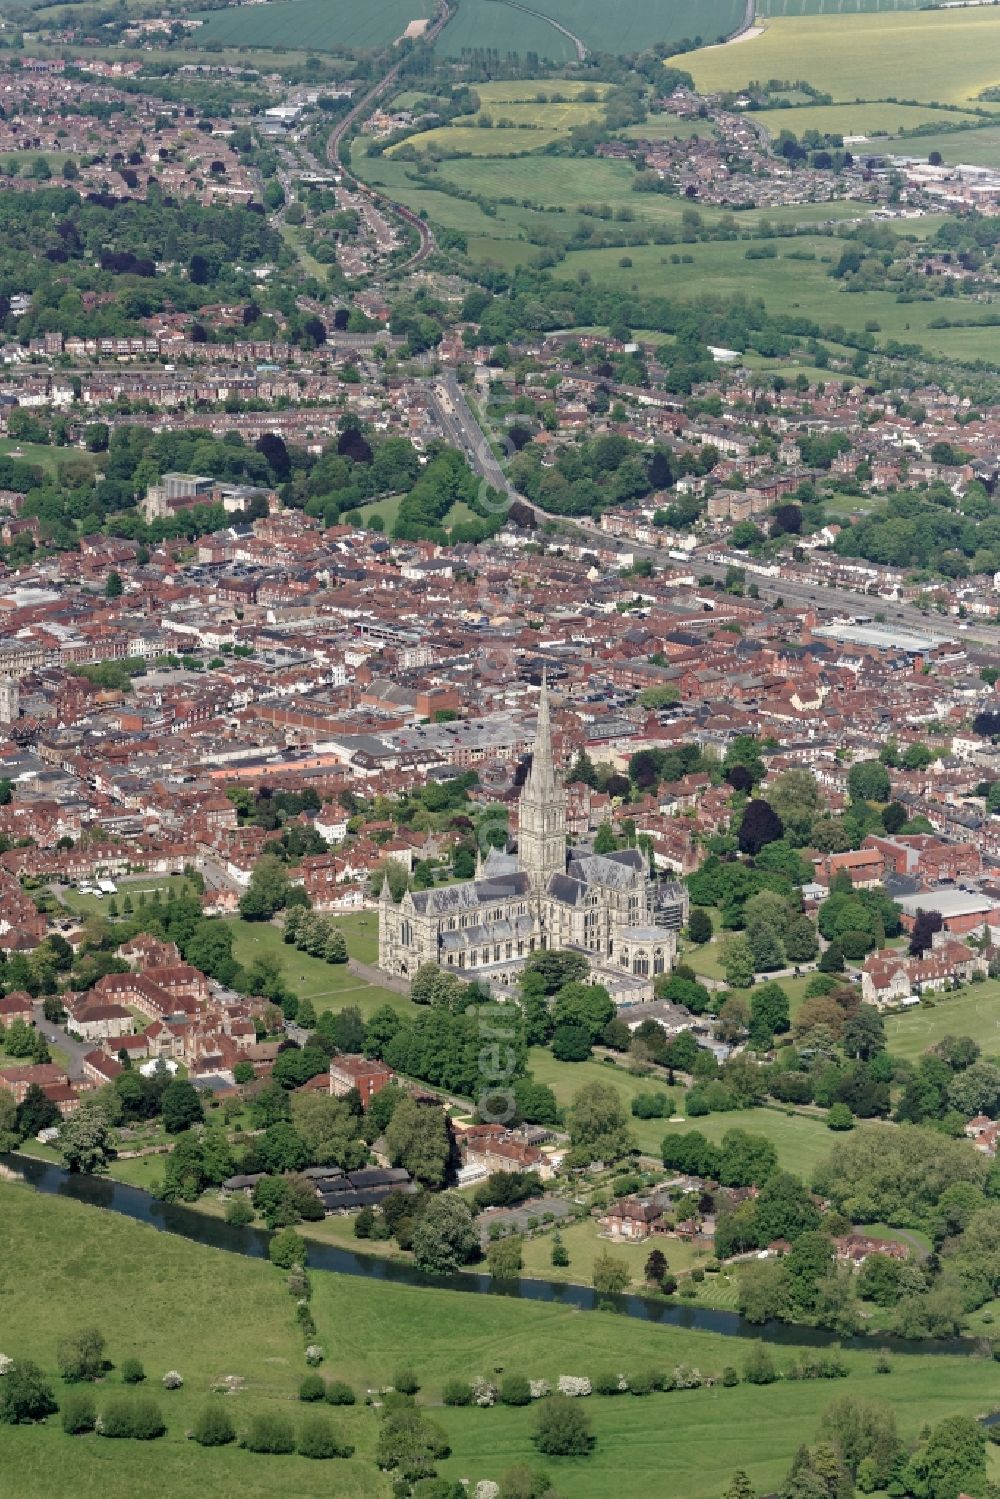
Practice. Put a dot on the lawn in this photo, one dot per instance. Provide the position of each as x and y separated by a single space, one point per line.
945 57
207 1313
319 25
330 986
978 148
973 1011
584 1243
87 905
42 454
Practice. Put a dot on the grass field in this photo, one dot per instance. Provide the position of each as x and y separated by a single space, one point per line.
330 986
975 1012
860 119
584 1243
179 1305
788 284
41 454
943 57
979 147
319 25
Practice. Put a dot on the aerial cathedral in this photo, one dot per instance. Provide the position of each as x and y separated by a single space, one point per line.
543 895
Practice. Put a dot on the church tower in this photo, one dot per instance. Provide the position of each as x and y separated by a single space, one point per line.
541 836
10 701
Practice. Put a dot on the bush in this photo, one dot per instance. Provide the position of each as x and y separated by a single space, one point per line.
312 1387
77 1412
730 1377
609 1384
25 1395
339 1393
270 1433
515 1390
138 1418
318 1439
406 1382
132 1371
214 1427
642 1383
457 1392
286 1249
562 1428
759 1367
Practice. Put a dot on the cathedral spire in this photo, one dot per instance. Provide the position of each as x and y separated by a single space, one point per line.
542 777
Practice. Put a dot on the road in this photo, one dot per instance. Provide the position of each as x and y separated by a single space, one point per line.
460 425
73 1050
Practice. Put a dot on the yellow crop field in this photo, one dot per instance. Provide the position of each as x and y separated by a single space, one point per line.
531 118
946 57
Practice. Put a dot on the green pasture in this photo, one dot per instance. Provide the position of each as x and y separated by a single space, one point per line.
979 147
492 25
859 118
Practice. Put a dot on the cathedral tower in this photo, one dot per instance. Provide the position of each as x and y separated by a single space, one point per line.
541 837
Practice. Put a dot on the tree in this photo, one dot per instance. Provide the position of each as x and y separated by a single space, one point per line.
24 1395
765 947
760 825
863 1430
417 1138
78 1412
35 1112
758 1367
611 1276
80 1356
181 1106
85 1140
739 1487
9 1133
839 1117
699 926
268 890
868 781
795 797
504 1258
784 1209
737 962
801 945
113 588
562 1428
571 1043
328 1129
317 1439
951 1462
656 1267
410 1444
444 1236
586 1005
925 925
598 1128
769 1015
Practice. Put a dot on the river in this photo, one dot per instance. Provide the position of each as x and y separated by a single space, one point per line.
175 1218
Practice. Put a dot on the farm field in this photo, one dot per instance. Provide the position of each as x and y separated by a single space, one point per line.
975 1012
491 25
831 7
330 986
945 57
788 284
319 25
477 140
861 119
625 26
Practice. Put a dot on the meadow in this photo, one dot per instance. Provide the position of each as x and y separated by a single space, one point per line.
319 25
176 1304
90 905
941 57
979 147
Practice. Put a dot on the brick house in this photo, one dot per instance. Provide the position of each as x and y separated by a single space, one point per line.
369 1077
633 1218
